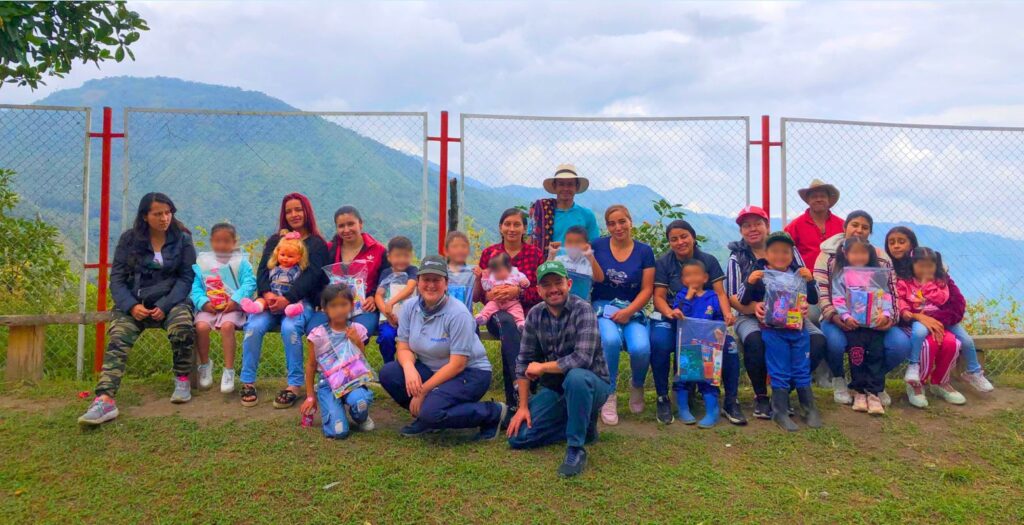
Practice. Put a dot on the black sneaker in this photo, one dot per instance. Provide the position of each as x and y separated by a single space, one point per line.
575 462
416 429
731 411
762 407
489 432
664 410
508 417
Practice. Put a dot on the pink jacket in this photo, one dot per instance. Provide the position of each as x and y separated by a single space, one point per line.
924 298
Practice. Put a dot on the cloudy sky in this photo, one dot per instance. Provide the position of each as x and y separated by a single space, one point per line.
940 62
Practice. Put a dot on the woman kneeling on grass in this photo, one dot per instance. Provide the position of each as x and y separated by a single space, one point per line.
441 370
150 282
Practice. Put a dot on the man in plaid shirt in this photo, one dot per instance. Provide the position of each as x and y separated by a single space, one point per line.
561 350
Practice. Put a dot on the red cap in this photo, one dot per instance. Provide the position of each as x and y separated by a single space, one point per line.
751 210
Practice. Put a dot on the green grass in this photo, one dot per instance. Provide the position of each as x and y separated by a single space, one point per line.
936 466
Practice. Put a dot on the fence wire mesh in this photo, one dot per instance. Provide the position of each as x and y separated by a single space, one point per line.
700 163
43 219
235 167
955 187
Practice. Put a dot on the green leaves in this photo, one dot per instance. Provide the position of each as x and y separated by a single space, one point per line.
43 39
654 234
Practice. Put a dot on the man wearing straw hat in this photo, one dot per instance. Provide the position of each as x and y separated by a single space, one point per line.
551 218
816 224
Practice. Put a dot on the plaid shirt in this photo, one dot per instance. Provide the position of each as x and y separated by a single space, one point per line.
571 339
526 261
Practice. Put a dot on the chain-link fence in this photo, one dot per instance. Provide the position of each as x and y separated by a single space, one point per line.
700 163
235 166
956 187
44 218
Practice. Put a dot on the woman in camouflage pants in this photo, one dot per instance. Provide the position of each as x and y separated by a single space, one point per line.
150 281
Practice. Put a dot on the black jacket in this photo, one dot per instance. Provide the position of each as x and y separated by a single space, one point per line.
133 274
311 281
755 292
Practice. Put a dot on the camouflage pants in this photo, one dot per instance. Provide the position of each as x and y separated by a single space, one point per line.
125 330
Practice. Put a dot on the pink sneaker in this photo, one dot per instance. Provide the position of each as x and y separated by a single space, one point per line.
610 411
294 310
251 307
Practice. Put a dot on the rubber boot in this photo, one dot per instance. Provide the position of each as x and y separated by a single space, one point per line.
780 410
711 410
683 405
811 414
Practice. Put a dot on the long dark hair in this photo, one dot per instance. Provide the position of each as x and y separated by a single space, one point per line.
903 267
842 261
307 210
336 241
922 253
510 212
862 215
141 227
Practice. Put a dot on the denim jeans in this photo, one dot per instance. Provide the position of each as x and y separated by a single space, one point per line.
566 416
292 330
369 320
453 404
967 349
332 409
663 346
637 340
787 355
897 348
386 342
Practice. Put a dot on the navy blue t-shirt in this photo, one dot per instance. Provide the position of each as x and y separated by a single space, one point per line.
700 307
387 272
622 279
668 271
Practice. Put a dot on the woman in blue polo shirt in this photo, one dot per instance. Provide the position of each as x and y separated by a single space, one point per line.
682 239
440 371
619 300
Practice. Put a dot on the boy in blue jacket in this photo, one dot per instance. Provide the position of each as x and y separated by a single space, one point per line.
787 351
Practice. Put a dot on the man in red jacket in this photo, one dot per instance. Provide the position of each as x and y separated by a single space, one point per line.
816 224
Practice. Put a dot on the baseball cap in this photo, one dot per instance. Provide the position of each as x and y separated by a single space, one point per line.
433 265
551 267
751 210
774 237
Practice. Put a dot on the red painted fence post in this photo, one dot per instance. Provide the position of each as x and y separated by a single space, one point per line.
766 158
442 208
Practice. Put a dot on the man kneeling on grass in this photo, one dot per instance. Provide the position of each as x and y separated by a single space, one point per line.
561 349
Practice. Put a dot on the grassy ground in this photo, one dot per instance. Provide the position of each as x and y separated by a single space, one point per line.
212 461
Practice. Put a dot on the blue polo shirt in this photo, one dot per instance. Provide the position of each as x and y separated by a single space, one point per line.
668 271
435 338
575 216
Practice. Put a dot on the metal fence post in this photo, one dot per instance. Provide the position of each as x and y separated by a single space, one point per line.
442 212
766 164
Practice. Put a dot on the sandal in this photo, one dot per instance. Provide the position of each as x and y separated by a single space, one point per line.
285 399
249 397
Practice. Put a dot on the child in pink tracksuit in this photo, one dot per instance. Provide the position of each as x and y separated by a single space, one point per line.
501 272
933 361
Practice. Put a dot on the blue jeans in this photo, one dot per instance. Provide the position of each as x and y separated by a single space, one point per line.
332 409
788 356
386 341
453 404
918 333
369 320
292 330
663 346
566 416
897 348
637 340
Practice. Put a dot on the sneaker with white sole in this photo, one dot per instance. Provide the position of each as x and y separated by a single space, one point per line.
948 394
99 412
840 392
636 400
367 425
978 381
884 397
913 374
227 381
206 375
916 399
182 390
610 411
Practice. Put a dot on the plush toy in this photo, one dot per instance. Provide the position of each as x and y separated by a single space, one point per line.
286 264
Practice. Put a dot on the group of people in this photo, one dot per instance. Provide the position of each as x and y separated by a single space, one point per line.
564 303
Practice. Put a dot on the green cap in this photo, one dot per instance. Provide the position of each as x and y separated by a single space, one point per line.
551 267
775 237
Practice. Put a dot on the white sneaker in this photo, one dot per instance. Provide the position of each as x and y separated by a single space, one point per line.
885 399
978 381
367 425
610 411
913 374
840 393
206 375
182 391
227 381
917 400
948 394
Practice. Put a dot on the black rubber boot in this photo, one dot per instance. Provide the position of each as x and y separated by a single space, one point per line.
780 410
811 414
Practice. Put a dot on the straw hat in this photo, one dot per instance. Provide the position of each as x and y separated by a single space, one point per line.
566 172
818 184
